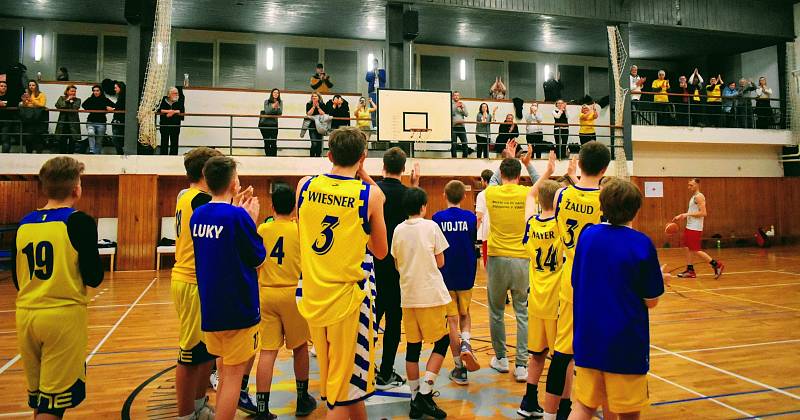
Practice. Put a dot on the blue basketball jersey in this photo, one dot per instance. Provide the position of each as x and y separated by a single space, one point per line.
460 262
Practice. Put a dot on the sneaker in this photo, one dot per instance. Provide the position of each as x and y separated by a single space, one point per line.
521 374
687 274
529 407
393 381
459 375
468 357
306 404
718 270
423 405
247 403
500 365
214 380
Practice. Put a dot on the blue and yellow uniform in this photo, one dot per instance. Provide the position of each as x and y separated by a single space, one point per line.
228 291
278 278
191 342
55 258
576 209
547 259
337 290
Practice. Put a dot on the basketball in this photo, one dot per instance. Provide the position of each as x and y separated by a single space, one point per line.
671 228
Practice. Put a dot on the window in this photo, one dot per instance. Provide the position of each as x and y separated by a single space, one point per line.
195 59
115 57
485 73
434 72
521 80
598 82
237 65
300 64
9 54
78 53
343 68
572 78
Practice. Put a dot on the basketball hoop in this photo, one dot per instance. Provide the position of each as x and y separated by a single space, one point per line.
420 135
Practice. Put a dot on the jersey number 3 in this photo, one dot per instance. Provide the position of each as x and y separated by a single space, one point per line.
40 259
326 236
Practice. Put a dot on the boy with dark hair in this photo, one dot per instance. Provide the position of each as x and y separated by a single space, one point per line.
341 227
387 302
612 334
576 208
483 221
55 258
194 360
418 250
281 322
546 259
228 251
460 229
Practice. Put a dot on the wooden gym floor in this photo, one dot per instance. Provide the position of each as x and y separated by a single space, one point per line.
721 349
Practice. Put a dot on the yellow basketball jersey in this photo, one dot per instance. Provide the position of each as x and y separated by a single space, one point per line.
188 200
47 263
577 208
334 230
282 242
546 252
506 207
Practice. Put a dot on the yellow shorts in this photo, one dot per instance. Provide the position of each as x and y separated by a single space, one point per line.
191 340
541 334
235 346
459 305
564 329
625 393
425 324
281 320
52 347
346 357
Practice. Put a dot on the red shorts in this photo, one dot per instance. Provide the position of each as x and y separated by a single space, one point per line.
691 238
484 250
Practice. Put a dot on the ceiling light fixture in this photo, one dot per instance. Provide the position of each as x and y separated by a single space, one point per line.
462 69
270 58
38 42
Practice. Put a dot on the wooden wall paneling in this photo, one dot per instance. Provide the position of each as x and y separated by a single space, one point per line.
99 196
138 222
18 199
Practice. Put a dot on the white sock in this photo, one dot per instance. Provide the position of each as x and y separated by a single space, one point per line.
199 403
548 416
465 336
426 385
459 363
413 384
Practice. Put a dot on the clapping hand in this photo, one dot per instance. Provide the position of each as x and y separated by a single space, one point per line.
573 166
526 158
252 207
242 196
511 149
551 164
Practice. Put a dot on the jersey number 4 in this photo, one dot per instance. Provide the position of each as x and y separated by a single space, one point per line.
326 236
277 250
550 260
40 259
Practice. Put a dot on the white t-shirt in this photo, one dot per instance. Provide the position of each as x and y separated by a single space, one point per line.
694 223
634 86
480 207
414 247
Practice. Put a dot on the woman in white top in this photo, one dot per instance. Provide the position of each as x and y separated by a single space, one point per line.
763 106
533 131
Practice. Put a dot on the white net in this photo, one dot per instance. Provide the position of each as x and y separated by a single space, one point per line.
793 104
155 78
619 60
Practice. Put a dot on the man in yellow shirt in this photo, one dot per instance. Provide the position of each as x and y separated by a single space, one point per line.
661 99
321 81
507 265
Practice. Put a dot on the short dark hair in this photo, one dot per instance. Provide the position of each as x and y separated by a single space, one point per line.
454 191
218 172
394 161
97 87
283 199
696 180
620 200
510 168
547 193
195 159
413 200
347 145
59 176
594 158
486 175
319 66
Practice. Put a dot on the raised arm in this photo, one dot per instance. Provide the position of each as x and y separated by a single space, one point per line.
377 244
530 200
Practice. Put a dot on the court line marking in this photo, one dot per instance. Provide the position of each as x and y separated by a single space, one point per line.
115 305
17 414
689 289
727 372
782 413
705 397
90 326
487 307
119 321
729 394
738 346
756 286
9 363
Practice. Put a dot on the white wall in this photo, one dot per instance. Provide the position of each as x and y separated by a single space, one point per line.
763 62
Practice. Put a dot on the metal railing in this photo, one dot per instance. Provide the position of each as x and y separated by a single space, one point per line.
34 135
687 110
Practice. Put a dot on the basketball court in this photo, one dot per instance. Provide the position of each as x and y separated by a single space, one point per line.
721 349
